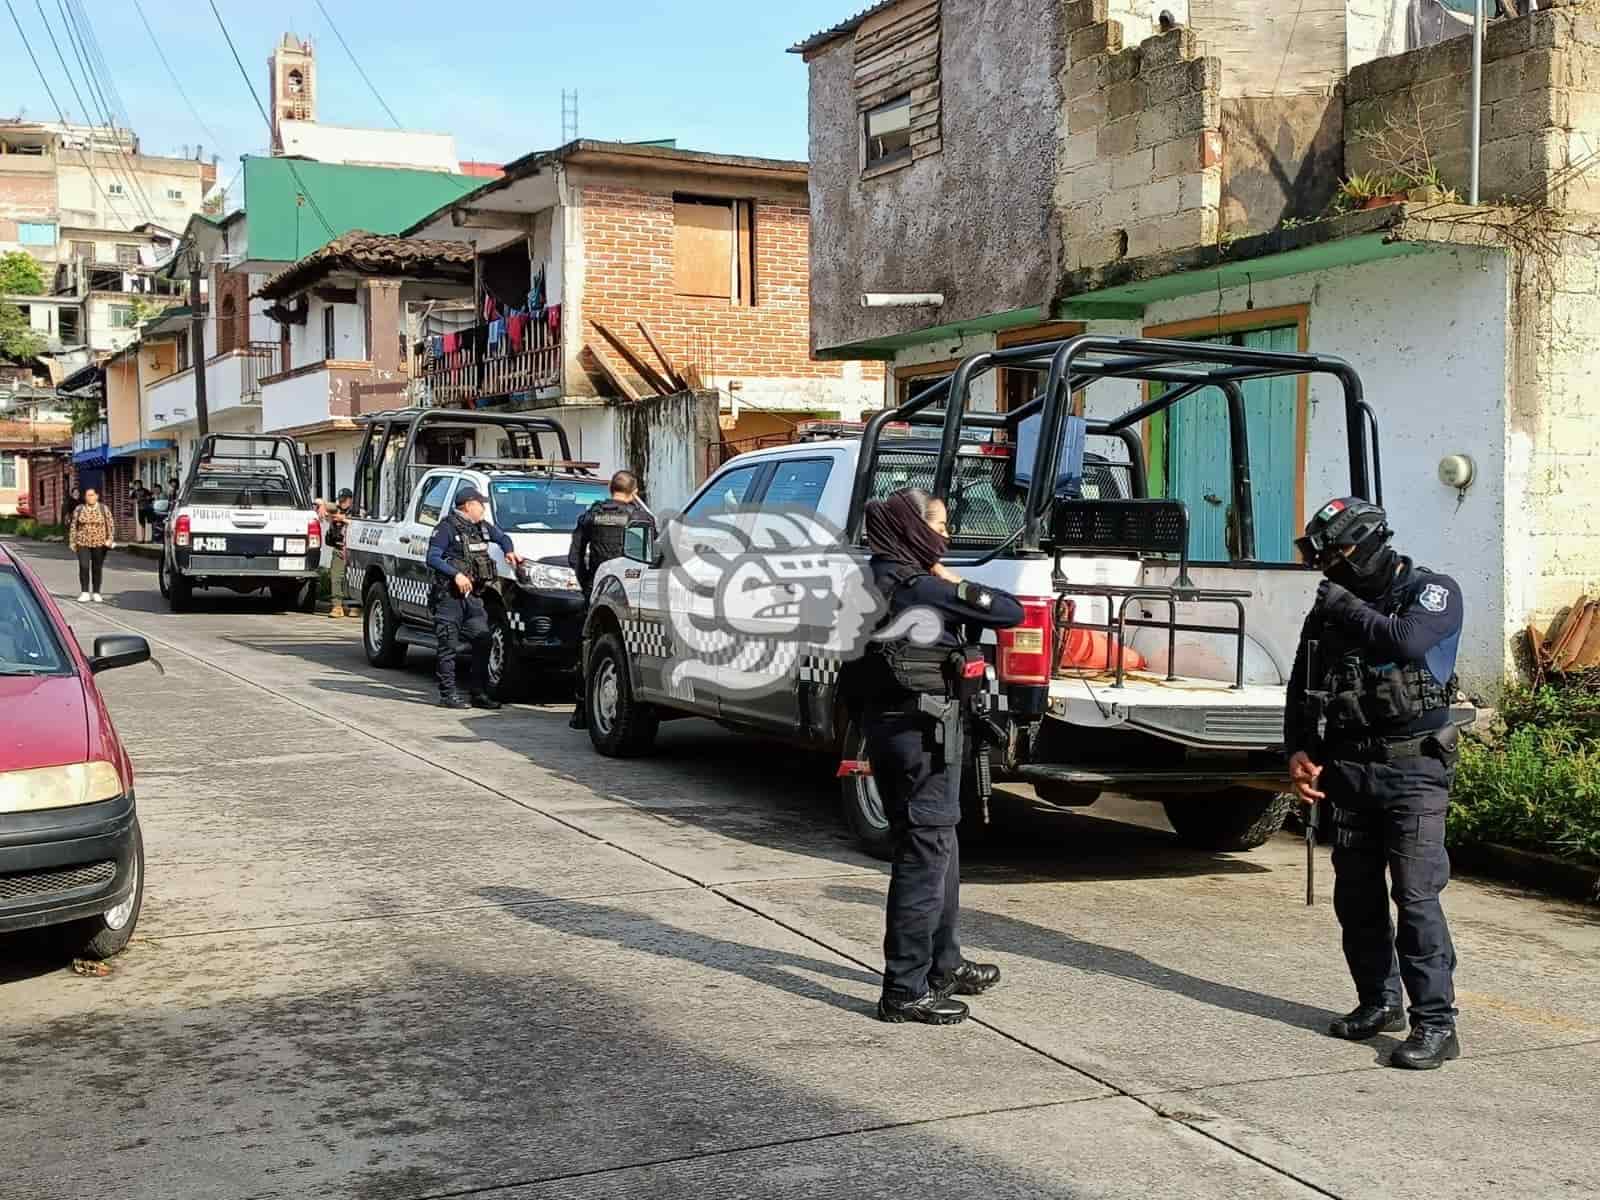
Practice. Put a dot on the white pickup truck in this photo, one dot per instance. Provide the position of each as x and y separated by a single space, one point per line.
1194 721
243 521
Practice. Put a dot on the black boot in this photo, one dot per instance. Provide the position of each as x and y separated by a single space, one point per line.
453 700
931 1009
484 700
1428 1048
580 717
1368 1020
969 979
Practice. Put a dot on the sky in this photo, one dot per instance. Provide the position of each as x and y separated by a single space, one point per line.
711 73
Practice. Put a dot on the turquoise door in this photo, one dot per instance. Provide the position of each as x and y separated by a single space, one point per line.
1199 469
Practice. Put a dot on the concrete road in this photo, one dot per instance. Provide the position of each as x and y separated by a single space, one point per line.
394 951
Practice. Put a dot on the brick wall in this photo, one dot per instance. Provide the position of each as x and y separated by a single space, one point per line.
1540 112
628 277
26 196
50 477
1141 143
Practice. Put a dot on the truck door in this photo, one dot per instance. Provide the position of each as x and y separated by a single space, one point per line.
412 577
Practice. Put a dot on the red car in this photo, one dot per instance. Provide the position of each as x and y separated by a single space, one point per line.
70 851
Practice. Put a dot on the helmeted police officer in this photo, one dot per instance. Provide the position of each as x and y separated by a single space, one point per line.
458 555
1367 725
599 537
920 789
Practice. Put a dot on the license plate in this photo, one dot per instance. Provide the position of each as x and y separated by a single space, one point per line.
295 546
211 545
291 564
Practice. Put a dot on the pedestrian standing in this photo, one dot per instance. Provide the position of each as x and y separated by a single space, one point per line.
599 537
89 535
458 556
70 505
338 517
920 789
1367 724
144 505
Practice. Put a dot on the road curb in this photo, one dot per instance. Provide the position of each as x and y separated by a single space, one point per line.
1530 869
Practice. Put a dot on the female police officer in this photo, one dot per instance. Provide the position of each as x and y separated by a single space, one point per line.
921 792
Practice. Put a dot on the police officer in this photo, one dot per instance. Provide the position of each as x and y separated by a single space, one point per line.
921 791
458 555
599 537
1368 729
338 517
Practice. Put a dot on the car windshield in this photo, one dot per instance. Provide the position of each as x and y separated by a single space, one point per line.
543 505
28 644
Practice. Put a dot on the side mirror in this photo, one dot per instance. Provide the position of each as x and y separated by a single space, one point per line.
118 650
639 544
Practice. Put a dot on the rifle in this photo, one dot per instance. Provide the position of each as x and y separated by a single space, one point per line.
1316 702
967 701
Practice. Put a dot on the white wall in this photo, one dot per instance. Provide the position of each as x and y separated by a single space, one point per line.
592 432
299 400
847 395
983 389
349 332
370 147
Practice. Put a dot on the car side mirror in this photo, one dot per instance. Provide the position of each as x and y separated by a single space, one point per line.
639 545
118 650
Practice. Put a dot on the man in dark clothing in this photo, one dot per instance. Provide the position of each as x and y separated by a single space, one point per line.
599 537
338 517
458 555
921 791
1367 725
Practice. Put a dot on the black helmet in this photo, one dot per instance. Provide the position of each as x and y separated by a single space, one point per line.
345 494
1340 524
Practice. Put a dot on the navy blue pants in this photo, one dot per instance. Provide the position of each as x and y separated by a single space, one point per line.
921 936
1389 818
455 618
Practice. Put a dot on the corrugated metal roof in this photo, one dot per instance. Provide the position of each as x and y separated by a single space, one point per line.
849 25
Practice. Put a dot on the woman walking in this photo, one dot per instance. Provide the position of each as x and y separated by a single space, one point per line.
91 532
923 966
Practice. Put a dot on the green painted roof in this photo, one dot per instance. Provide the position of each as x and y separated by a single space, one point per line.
339 198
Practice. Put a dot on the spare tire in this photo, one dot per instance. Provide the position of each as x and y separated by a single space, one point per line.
1235 819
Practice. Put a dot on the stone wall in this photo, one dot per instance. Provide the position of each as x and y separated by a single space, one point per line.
1141 142
1540 112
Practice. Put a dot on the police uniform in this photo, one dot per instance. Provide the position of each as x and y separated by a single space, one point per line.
461 547
1369 702
921 793
599 536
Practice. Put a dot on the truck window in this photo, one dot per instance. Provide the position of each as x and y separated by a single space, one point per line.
430 504
727 490
543 505
798 483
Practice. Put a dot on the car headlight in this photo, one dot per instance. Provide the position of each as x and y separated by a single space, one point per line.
58 787
542 575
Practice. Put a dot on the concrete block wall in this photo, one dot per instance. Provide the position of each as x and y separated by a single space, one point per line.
1140 144
1540 111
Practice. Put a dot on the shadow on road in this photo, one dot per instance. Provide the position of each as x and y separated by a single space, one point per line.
1059 948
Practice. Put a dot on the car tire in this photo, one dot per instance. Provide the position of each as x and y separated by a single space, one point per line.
859 799
1234 819
108 933
620 725
283 595
379 625
175 587
506 682
306 596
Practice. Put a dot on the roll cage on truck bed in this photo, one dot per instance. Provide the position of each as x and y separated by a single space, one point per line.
1201 729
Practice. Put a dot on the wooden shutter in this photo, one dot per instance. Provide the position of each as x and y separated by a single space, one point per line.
704 237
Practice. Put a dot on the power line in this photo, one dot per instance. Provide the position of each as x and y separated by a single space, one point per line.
87 33
173 75
359 69
48 91
262 109
89 113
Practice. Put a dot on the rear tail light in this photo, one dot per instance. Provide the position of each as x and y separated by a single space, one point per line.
314 534
180 531
1025 648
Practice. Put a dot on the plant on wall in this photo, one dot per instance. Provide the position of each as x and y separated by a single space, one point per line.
1402 147
20 275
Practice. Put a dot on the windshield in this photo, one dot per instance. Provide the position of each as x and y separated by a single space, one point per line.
242 489
543 505
28 645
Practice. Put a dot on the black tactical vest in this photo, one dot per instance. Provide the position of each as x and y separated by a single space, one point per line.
608 530
468 551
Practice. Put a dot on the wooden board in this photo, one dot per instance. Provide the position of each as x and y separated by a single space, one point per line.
672 372
640 367
624 389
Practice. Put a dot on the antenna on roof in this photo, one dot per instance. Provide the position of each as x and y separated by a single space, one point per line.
569 116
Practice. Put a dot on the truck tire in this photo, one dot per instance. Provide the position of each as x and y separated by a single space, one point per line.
306 596
505 680
1235 819
620 726
379 626
859 799
109 933
178 590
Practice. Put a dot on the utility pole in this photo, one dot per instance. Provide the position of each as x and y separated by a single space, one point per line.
197 342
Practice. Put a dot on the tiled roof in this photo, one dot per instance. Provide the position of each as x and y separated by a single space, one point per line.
373 254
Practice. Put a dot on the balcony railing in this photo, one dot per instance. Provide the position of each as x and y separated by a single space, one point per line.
261 359
447 378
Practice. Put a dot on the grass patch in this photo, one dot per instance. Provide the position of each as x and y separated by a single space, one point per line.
1536 785
29 528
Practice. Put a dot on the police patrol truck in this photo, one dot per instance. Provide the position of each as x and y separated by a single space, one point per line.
243 521
411 464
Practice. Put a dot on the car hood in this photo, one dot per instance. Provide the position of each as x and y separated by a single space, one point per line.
46 722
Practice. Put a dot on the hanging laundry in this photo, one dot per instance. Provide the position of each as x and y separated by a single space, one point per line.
517 330
552 316
452 342
491 310
435 345
478 338
497 334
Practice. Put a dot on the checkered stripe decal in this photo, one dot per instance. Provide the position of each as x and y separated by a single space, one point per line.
997 695
648 639
820 669
408 591
515 620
